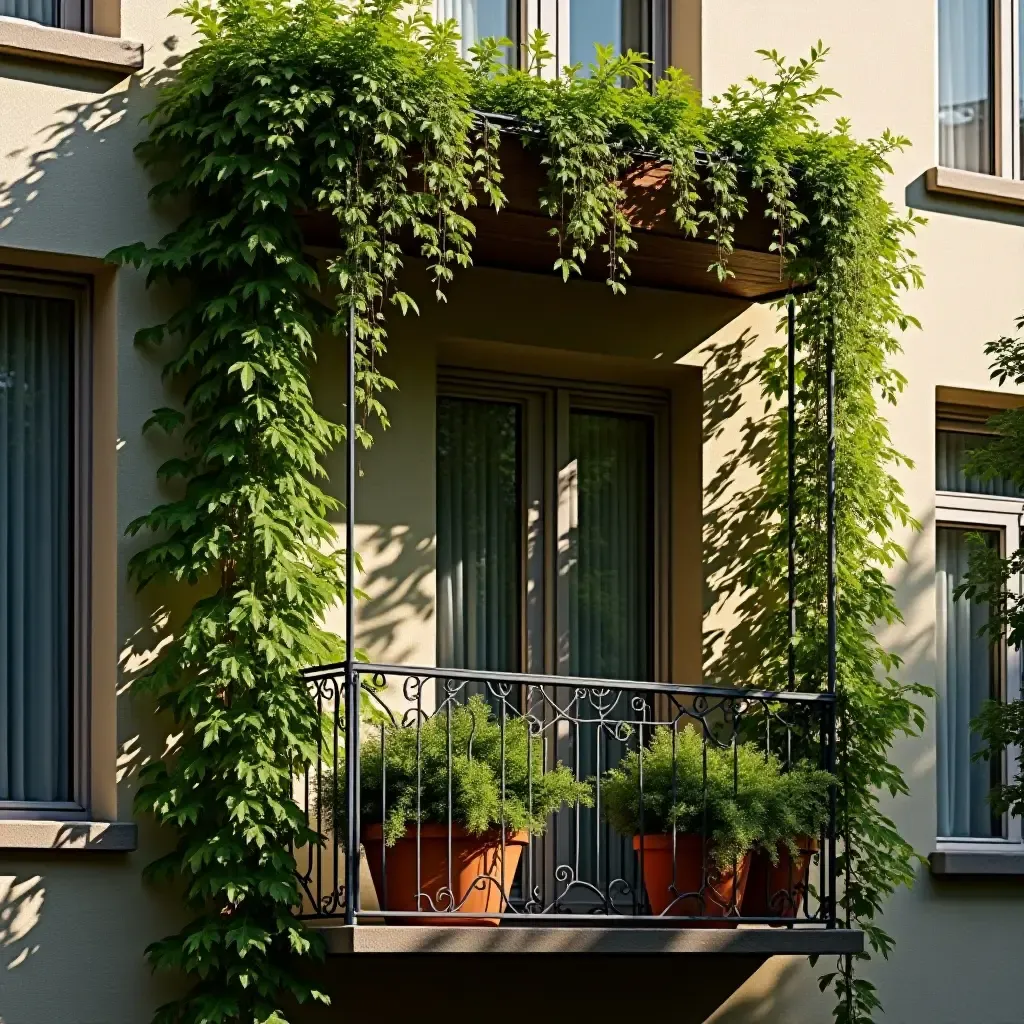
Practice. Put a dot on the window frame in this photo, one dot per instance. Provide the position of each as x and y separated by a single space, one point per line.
552 16
954 509
78 291
546 403
1005 56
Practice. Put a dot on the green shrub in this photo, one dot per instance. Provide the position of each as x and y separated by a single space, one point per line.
742 803
478 803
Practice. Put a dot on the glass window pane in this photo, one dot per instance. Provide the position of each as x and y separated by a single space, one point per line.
478 534
479 19
967 677
610 547
951 451
966 135
36 339
43 11
622 24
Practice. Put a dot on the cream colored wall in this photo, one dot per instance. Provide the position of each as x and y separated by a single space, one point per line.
956 940
73 924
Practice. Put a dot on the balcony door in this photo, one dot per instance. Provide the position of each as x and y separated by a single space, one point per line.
547 552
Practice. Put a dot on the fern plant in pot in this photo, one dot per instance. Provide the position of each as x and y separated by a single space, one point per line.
447 809
702 812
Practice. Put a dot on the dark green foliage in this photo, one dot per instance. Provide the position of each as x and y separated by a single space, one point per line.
738 798
480 758
346 112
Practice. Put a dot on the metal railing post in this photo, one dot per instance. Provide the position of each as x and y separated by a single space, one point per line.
351 679
791 488
830 470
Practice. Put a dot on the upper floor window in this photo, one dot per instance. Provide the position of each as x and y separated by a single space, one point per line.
480 19
573 27
980 94
72 14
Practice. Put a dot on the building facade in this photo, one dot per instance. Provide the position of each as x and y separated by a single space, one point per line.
501 389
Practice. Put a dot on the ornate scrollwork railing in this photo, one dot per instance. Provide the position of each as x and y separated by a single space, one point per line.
573 866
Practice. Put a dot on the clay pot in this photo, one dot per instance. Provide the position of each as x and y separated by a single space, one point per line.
723 887
777 890
476 873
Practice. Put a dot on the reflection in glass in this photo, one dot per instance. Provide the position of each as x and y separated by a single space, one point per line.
479 19
968 676
622 24
966 137
952 448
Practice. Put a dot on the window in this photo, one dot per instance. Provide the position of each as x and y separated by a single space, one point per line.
72 14
547 529
640 25
479 19
42 512
970 668
980 86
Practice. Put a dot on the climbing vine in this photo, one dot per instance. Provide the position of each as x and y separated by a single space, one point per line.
350 116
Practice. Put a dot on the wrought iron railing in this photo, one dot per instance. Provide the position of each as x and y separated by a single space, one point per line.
392 786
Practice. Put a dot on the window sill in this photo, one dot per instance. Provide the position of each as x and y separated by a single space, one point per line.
30 41
99 836
977 863
987 188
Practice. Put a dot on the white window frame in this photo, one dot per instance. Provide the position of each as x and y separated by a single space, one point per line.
1004 52
13 281
959 510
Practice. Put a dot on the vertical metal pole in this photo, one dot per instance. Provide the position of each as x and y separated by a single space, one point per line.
791 495
830 472
351 680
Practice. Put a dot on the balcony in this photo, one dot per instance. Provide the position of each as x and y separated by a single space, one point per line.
588 777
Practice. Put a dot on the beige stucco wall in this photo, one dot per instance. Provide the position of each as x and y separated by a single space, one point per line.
73 924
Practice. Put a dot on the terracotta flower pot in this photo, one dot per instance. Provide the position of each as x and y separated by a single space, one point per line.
476 873
722 893
777 890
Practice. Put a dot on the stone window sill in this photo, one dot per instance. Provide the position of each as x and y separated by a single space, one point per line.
977 863
986 188
30 41
59 836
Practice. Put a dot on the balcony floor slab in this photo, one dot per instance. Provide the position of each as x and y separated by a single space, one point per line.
757 941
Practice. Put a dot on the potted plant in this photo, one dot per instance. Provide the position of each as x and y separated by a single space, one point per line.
705 809
446 839
797 811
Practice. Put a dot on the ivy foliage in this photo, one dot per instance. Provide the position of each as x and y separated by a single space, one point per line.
352 117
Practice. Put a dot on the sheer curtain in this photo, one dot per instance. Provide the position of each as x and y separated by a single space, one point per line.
951 451
610 571
478 535
43 11
36 338
966 678
966 138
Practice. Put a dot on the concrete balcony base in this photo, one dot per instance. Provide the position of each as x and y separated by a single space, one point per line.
752 941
